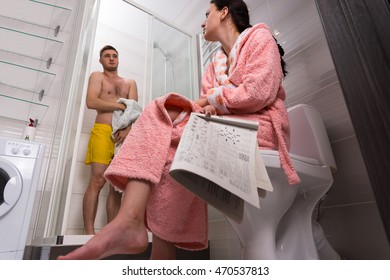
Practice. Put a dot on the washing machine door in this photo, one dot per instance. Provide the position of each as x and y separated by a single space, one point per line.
11 186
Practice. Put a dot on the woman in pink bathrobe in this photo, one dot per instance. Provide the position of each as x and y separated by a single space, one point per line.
244 81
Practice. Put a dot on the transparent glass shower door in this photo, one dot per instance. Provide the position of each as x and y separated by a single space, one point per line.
171 67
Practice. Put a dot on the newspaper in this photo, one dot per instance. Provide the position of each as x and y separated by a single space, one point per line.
218 160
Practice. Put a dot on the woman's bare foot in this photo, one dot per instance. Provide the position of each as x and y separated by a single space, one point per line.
115 238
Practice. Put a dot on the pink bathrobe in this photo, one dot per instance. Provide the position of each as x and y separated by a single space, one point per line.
252 91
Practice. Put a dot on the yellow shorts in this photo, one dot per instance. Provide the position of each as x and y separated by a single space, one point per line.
101 145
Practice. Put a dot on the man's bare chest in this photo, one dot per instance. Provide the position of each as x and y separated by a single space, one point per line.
114 89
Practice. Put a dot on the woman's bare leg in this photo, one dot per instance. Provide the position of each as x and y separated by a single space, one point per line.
126 234
162 250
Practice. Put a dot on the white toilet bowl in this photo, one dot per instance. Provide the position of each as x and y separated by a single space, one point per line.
282 228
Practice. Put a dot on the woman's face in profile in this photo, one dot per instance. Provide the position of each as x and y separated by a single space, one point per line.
211 23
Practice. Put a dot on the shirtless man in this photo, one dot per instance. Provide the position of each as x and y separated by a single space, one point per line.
104 89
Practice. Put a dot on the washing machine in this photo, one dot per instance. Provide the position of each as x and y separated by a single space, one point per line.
20 165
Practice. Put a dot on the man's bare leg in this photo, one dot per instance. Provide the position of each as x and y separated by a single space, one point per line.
162 250
91 196
126 234
113 204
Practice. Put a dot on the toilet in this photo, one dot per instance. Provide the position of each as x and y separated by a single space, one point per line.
282 227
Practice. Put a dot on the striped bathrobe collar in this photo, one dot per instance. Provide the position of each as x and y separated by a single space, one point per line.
220 61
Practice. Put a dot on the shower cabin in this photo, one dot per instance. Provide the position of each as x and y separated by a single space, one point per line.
159 56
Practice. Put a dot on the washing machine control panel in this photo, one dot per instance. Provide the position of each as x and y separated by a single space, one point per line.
21 149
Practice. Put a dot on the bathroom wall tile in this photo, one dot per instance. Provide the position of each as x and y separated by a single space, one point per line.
75 216
214 214
42 177
102 33
309 70
232 235
41 215
234 249
259 13
133 52
100 41
11 128
95 64
126 42
300 38
34 217
74 231
297 25
295 13
329 101
218 230
139 79
190 21
356 231
225 249
40 202
81 178
101 215
105 190
351 183
223 240
88 120
219 249
44 136
45 194
127 19
137 71
52 144
50 175
82 147
234 244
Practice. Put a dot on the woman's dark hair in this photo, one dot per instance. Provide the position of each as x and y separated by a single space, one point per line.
240 15
238 11
281 52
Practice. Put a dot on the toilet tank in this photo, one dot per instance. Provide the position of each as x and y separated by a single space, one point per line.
308 136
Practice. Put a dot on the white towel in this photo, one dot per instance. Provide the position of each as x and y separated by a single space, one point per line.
122 119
